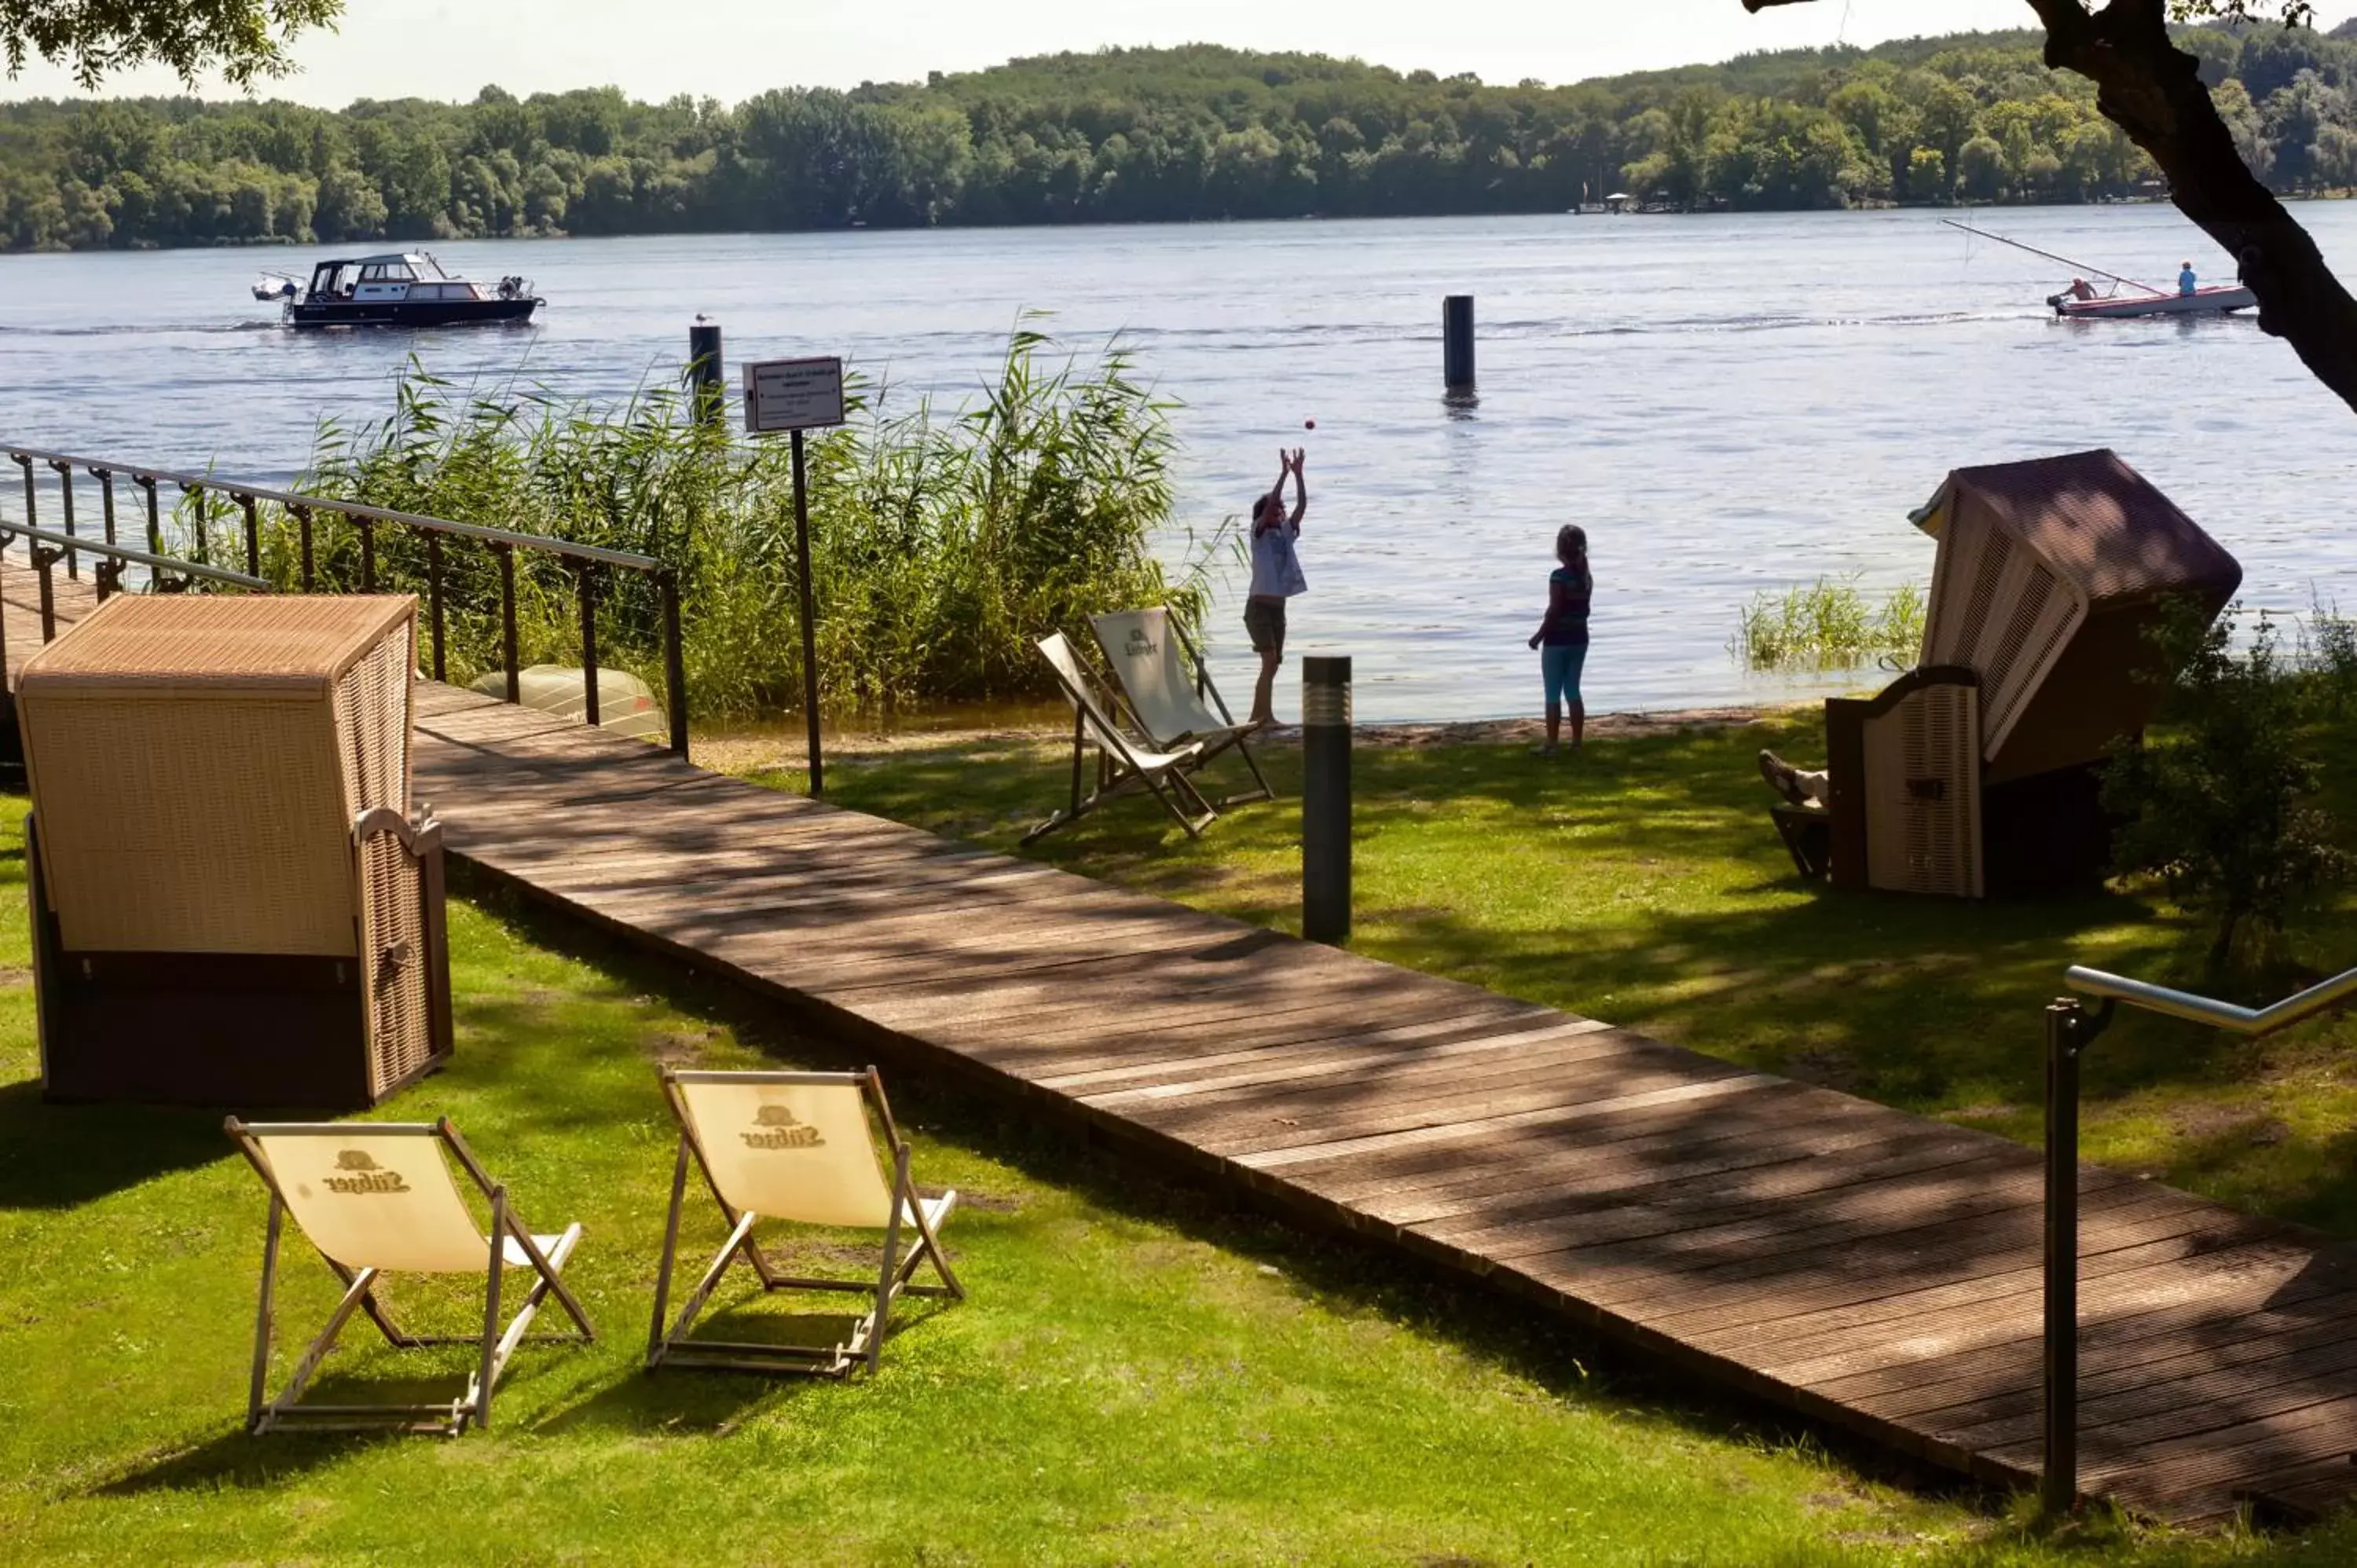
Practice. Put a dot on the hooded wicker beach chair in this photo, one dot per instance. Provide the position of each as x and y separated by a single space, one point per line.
234 902
1168 691
796 1147
1979 771
1123 765
378 1198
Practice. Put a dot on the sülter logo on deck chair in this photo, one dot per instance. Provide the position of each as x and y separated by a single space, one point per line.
775 1128
367 1175
1139 645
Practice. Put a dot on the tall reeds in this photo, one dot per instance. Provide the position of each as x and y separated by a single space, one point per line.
1826 626
942 545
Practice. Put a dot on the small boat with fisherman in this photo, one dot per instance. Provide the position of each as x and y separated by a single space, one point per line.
407 288
2081 301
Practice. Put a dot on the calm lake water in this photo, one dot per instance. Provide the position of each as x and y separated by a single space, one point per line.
1727 404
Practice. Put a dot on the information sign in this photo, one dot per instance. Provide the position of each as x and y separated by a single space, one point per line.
794 395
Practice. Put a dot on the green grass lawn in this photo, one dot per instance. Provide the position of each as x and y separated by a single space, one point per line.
1139 1376
1642 884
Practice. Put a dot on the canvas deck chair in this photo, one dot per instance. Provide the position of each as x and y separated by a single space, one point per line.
378 1198
1123 765
1172 707
795 1147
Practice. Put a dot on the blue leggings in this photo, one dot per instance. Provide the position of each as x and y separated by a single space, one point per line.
1560 663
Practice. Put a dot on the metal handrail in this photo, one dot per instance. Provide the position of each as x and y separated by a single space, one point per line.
583 561
2071 1028
88 546
239 489
2317 998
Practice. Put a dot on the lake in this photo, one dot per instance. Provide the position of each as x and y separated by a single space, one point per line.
1728 404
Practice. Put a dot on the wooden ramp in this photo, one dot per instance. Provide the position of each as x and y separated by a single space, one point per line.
1867 1267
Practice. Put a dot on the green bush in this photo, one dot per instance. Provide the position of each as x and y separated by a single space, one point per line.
2220 803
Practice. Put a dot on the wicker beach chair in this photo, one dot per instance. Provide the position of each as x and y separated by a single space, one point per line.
234 903
378 1198
1123 765
1979 771
1170 696
796 1146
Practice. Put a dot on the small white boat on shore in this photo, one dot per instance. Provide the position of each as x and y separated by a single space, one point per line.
2214 301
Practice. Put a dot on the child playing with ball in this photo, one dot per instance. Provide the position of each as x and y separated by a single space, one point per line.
1275 577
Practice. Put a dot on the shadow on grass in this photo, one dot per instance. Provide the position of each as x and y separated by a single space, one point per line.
1348 1275
60 1156
240 1461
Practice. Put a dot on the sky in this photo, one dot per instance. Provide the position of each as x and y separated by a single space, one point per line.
731 49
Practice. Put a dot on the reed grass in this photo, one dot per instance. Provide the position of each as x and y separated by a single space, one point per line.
1826 624
943 543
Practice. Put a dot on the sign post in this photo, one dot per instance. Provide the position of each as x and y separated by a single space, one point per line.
796 395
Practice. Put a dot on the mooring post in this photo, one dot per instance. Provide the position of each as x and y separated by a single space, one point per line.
705 394
2066 1033
1326 798
1457 344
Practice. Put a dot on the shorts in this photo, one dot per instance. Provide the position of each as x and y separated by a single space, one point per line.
1559 665
1265 620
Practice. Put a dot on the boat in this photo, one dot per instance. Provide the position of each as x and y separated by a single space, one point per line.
2214 301
2082 303
406 288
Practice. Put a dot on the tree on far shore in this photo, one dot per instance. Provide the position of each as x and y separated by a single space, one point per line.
244 40
2152 89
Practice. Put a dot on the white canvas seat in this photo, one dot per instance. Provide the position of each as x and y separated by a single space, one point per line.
1123 765
797 1147
377 1198
1169 688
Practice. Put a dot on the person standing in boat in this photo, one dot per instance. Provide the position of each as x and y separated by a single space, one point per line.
1561 636
1275 577
2081 289
2187 283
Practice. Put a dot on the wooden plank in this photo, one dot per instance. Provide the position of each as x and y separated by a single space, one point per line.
1863 1264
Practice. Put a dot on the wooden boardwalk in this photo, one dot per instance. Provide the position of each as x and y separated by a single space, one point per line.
1870 1268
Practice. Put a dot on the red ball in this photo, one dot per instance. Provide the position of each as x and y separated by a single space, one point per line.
1309 424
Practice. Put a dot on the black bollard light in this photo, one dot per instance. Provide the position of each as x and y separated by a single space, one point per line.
1457 344
705 394
1326 798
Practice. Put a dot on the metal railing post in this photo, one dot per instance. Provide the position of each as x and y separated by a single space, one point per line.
204 546
105 477
44 560
25 463
154 518
674 664
434 598
252 535
64 472
368 552
506 553
2070 1030
302 531
589 644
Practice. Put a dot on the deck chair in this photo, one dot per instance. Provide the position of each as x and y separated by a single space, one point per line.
795 1147
377 1198
1142 648
1123 765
